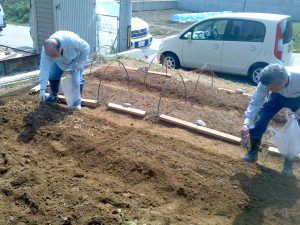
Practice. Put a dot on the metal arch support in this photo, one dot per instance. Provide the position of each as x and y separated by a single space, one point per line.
163 91
201 70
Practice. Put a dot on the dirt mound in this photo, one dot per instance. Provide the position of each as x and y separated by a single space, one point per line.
187 98
59 166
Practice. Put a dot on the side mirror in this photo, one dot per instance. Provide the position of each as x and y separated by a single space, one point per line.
189 36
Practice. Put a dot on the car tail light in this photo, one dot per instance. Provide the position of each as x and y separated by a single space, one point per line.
278 42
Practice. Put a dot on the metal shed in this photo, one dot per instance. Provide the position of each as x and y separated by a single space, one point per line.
49 16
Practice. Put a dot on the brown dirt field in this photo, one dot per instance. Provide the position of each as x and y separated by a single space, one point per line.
160 22
96 166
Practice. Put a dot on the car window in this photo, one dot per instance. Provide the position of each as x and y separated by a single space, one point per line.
208 30
246 30
287 31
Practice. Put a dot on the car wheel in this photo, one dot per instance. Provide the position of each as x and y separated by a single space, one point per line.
171 60
254 73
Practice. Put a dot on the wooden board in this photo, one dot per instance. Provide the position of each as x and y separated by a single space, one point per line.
84 102
35 89
275 150
233 91
38 87
128 68
87 72
204 130
130 110
149 72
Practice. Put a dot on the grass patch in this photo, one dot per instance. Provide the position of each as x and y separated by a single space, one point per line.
296 27
18 13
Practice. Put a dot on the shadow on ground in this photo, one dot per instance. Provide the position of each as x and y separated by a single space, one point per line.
46 114
269 192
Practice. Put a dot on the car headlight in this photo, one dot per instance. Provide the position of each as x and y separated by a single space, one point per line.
148 30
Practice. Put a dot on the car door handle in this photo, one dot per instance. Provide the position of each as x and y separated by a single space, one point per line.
216 46
252 48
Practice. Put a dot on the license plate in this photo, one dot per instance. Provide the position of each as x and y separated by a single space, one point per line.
141 43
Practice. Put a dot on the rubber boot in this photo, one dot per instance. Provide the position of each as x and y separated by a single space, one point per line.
252 154
54 89
287 168
77 104
81 89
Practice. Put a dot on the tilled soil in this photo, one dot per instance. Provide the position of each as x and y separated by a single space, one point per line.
96 166
187 98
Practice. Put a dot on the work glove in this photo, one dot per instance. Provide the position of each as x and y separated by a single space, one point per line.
42 95
244 134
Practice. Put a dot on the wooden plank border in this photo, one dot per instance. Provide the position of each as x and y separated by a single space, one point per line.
130 110
233 91
38 87
204 130
275 150
84 102
149 71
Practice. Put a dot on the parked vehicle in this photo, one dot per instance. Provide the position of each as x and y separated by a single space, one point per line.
236 43
108 14
2 19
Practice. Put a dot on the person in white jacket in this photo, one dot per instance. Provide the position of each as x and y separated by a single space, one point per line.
61 51
277 89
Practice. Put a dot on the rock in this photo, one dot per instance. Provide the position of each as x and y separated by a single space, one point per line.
126 104
200 123
239 91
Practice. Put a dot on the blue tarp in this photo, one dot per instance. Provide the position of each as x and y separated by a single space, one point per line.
193 17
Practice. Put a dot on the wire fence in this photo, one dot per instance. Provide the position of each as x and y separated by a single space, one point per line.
166 85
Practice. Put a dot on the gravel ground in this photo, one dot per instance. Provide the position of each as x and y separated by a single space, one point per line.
160 23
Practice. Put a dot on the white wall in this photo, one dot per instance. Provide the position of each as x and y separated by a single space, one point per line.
153 5
289 7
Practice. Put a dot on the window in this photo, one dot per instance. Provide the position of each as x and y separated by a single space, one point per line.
246 30
287 31
208 30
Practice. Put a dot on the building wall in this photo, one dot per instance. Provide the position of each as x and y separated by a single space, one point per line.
153 5
289 7
49 16
78 16
43 21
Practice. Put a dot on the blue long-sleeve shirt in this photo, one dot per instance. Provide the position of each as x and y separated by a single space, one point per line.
75 53
292 90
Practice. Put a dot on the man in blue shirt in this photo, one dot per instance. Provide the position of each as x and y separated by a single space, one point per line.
61 51
277 89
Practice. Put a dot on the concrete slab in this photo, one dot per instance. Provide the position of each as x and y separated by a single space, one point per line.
17 36
19 78
296 59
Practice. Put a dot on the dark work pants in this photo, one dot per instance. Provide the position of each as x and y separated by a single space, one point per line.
274 104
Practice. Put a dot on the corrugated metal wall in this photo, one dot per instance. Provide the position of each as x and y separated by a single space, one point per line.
73 15
78 16
43 21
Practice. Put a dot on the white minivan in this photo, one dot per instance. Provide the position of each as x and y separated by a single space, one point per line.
2 19
236 43
108 16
